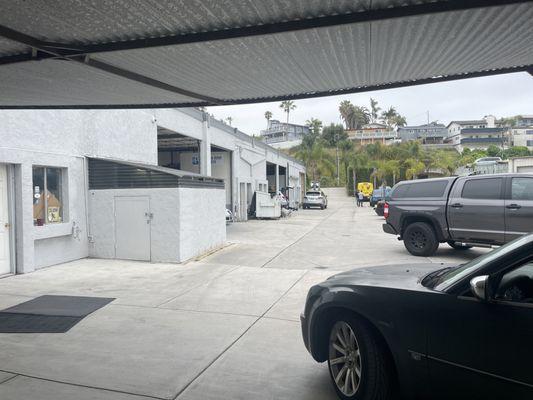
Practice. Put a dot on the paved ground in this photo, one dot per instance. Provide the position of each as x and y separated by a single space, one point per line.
224 327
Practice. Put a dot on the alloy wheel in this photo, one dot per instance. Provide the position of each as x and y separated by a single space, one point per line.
345 358
418 239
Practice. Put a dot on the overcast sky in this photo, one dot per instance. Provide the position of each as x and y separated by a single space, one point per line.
503 95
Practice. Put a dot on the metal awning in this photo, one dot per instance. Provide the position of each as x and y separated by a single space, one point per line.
180 53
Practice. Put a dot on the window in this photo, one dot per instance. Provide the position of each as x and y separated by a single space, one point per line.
421 190
522 189
47 195
483 189
517 285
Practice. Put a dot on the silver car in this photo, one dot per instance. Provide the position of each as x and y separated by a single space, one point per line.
315 198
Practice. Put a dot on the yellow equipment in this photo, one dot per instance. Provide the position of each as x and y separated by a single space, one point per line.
366 188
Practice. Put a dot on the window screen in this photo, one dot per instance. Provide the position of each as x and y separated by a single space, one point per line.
522 189
483 189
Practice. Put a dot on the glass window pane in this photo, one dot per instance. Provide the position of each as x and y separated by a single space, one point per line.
483 189
38 196
522 189
54 200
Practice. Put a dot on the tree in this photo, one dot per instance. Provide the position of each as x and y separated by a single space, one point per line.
516 151
287 106
374 110
333 134
268 116
354 117
392 119
413 168
509 122
315 125
318 162
399 120
494 151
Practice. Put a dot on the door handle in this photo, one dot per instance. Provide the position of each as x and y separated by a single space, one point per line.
513 206
457 205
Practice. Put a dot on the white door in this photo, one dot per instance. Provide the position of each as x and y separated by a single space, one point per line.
132 227
5 264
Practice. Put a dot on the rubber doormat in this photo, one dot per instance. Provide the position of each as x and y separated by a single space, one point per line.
49 314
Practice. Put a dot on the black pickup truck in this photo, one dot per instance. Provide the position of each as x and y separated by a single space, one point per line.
478 210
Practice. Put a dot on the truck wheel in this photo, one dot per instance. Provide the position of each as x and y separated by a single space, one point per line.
420 240
458 246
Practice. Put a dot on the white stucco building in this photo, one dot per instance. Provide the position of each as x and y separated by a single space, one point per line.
54 207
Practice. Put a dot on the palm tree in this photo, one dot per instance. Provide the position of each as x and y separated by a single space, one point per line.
317 159
268 116
229 120
387 117
315 125
346 109
374 110
287 106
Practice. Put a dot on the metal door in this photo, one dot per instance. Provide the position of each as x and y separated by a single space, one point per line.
132 227
5 263
476 210
519 208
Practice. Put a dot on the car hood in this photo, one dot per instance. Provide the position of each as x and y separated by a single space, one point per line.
400 276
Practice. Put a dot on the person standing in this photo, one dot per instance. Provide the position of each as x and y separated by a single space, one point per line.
360 199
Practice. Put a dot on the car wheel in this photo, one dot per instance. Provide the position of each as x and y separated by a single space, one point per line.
322 207
420 239
458 246
358 364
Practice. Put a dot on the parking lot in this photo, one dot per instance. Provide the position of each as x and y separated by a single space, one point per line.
222 327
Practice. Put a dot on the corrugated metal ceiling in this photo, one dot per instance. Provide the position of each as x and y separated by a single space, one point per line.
294 63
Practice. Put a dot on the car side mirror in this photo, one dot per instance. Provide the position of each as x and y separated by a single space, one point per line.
480 287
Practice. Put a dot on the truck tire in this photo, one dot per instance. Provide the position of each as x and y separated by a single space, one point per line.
420 240
458 246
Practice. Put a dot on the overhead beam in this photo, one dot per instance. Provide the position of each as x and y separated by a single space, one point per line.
53 50
361 89
369 15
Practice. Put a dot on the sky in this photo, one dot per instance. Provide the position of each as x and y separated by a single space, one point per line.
500 95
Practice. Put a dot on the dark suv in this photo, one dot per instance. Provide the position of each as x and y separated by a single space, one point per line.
480 210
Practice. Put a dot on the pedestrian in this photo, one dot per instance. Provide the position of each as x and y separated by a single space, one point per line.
360 198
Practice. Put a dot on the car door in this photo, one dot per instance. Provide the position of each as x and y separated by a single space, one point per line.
518 207
508 336
454 348
476 210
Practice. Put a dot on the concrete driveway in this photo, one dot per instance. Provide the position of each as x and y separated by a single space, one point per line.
224 327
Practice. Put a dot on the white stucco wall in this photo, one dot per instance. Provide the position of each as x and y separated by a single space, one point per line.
186 222
202 221
62 138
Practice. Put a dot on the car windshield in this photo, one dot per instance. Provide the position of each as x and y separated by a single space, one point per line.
454 275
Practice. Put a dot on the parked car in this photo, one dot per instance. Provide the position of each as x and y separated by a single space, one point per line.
315 198
488 160
432 331
378 194
379 209
480 210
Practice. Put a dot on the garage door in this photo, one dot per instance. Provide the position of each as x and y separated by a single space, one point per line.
525 169
132 227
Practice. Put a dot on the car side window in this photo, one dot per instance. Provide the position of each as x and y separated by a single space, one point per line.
522 189
487 189
517 285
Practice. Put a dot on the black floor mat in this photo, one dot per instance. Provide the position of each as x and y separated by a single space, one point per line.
49 314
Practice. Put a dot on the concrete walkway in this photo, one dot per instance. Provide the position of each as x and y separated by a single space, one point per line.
224 327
